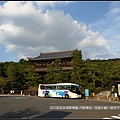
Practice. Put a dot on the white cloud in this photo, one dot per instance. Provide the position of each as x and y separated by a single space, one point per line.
118 37
10 47
25 28
109 28
17 8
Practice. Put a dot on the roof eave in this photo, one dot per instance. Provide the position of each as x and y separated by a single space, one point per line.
37 59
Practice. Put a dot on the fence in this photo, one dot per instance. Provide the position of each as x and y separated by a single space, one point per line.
20 92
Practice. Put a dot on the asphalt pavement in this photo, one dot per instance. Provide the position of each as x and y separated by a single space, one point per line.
19 106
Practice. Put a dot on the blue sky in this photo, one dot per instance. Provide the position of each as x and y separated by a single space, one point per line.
82 11
29 28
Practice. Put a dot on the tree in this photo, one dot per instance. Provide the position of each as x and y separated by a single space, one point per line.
2 83
15 76
66 76
5 64
1 69
57 71
49 74
31 78
94 74
77 64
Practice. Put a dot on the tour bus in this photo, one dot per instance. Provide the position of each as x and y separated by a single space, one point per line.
63 90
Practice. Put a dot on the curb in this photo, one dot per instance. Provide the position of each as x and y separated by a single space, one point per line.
104 100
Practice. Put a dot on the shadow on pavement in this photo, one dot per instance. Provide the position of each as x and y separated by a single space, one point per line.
28 113
25 113
54 114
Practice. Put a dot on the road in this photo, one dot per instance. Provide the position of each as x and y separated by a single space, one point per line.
36 107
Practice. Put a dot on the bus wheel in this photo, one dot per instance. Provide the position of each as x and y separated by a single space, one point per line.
66 96
46 95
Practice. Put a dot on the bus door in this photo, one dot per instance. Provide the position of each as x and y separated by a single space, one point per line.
41 89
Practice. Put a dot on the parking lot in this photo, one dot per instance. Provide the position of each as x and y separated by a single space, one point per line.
13 106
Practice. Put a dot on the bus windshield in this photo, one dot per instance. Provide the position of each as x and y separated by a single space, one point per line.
75 89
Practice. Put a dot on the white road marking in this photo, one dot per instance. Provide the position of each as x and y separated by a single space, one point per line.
20 97
115 117
107 118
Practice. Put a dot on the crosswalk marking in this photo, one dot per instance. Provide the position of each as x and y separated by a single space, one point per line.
113 117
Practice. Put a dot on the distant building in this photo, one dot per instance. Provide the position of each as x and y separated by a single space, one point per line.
40 63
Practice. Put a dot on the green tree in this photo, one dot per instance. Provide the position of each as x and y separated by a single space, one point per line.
66 76
31 78
1 69
77 64
57 71
3 83
15 76
94 74
49 74
6 64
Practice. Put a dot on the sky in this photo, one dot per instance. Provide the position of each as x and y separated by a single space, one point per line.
28 28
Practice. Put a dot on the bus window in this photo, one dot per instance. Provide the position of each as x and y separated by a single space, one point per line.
48 87
64 87
53 87
61 87
67 87
42 87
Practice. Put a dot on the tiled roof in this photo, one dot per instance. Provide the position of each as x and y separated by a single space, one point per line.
53 55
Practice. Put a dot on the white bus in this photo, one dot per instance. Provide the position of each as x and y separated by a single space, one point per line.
63 90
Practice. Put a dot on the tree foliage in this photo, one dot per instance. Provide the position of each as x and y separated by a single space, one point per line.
15 76
49 75
77 64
